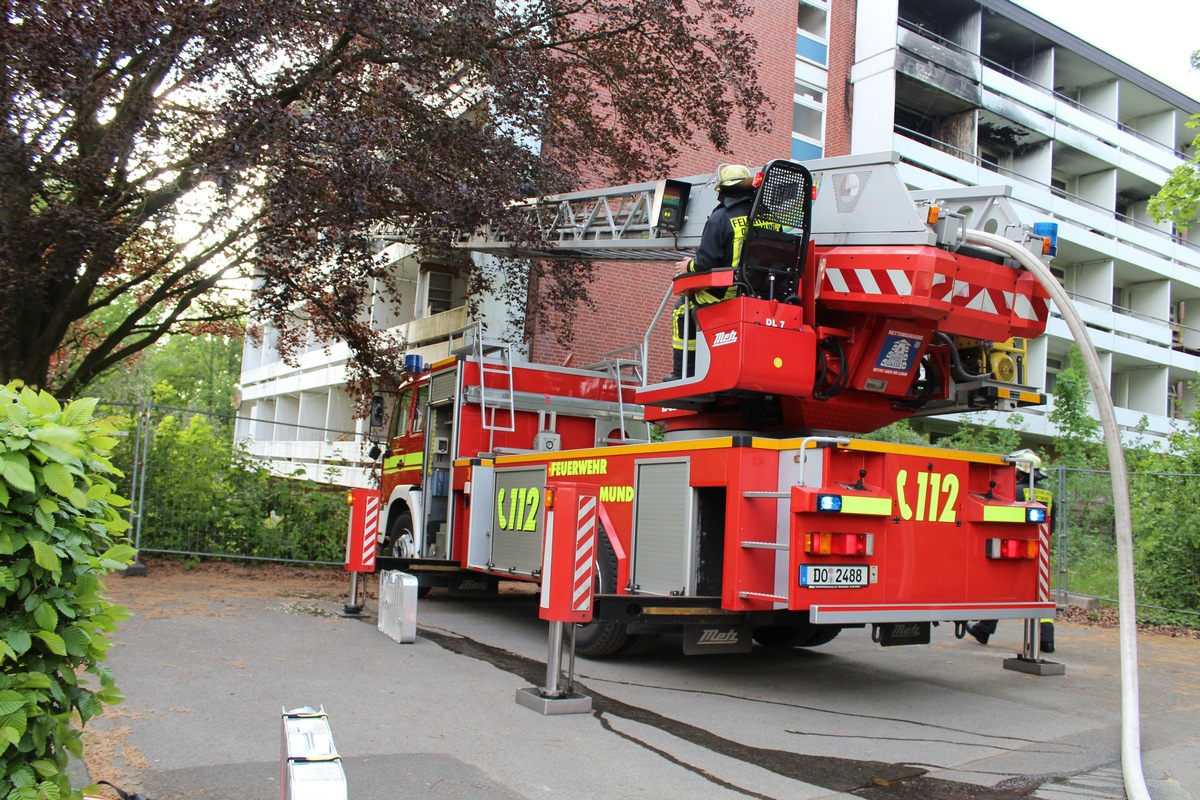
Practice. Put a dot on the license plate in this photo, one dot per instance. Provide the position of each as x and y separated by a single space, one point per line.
815 576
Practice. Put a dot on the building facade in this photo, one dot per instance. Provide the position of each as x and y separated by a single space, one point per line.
965 92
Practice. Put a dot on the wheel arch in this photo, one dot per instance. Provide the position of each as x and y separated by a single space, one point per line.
403 499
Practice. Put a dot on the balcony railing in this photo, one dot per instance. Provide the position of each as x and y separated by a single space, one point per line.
1016 176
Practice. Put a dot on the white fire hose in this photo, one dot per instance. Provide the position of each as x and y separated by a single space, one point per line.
1131 737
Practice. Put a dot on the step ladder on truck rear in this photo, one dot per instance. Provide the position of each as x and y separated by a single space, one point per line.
757 518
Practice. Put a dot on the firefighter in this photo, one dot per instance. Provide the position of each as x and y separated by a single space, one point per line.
1026 461
720 248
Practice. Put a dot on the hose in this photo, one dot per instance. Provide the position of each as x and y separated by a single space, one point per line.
1131 735
956 362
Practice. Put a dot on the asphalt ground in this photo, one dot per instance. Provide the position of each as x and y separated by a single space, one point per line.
209 666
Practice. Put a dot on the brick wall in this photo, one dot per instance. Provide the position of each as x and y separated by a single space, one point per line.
839 99
626 295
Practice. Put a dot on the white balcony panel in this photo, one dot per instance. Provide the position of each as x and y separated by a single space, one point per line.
999 85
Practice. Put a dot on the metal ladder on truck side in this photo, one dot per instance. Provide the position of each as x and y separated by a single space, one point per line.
615 363
494 402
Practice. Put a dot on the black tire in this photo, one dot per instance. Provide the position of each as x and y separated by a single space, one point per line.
824 634
638 643
400 542
779 636
804 635
600 639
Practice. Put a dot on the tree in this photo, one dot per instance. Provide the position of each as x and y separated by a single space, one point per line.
1078 438
975 435
1179 199
184 371
151 151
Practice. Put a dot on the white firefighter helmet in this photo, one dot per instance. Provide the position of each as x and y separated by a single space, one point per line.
1026 460
732 176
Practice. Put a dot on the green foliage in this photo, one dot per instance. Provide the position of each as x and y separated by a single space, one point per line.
1178 200
1166 520
1084 512
900 432
185 371
986 437
60 532
204 495
1078 440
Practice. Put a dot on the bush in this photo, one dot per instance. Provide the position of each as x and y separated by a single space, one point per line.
207 496
58 536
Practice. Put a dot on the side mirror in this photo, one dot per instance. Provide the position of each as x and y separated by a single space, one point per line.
377 411
375 452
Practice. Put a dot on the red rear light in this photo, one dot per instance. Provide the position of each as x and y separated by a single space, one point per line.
1012 548
758 179
839 544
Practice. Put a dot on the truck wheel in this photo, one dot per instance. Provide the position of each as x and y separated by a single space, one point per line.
600 639
806 635
400 541
778 636
638 643
824 634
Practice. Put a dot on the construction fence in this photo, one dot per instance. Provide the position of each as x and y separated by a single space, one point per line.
198 492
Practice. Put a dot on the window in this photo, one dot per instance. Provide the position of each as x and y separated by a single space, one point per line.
989 157
813 19
812 31
808 122
1058 187
440 292
1119 297
1053 367
419 412
401 415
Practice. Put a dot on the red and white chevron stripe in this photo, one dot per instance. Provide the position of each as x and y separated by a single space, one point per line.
993 301
370 530
585 554
869 281
962 294
1044 562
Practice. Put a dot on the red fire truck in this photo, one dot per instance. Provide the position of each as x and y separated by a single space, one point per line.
757 517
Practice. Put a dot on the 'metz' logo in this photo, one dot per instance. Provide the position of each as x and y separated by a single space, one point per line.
725 337
472 585
906 629
718 636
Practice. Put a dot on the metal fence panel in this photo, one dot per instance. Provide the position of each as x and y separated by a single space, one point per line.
195 492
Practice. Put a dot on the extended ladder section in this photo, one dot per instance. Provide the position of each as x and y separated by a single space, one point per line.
859 200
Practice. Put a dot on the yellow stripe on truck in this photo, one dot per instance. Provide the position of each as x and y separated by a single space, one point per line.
879 506
1004 514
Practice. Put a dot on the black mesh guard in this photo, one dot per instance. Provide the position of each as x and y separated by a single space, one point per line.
773 255
784 198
